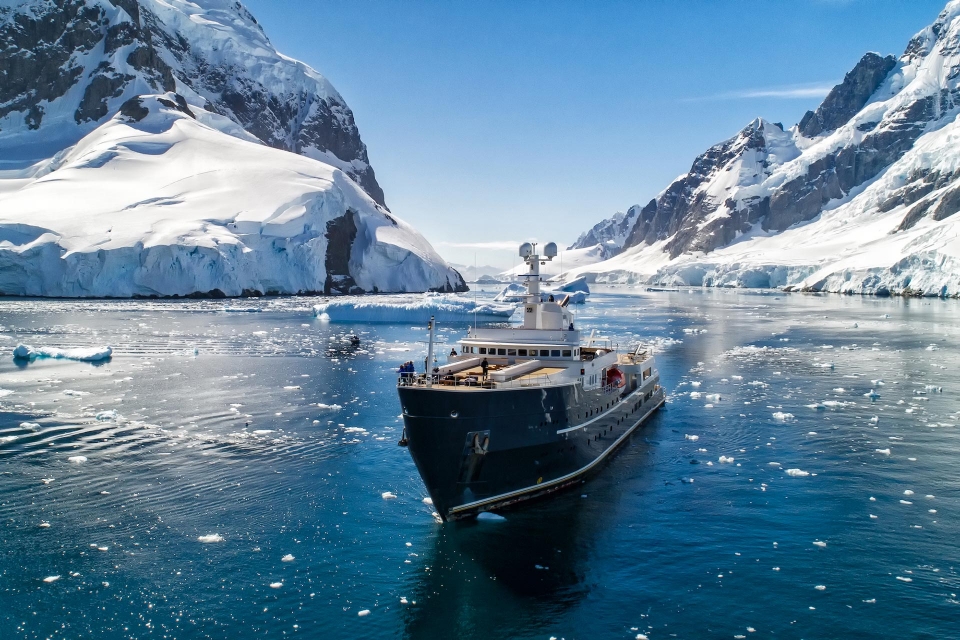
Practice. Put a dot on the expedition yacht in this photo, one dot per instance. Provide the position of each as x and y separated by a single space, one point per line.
524 410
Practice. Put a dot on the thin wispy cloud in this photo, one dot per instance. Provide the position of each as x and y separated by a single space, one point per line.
787 92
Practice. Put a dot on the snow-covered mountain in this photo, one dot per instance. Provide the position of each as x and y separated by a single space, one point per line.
161 147
860 196
611 234
565 262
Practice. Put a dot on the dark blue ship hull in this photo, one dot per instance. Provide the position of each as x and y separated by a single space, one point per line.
482 449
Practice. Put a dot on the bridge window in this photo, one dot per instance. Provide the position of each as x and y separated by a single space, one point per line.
511 352
521 352
483 350
545 353
501 352
555 353
566 353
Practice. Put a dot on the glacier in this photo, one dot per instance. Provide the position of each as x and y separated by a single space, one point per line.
859 197
163 148
168 199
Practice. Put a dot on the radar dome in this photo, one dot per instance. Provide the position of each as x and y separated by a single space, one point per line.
550 250
526 250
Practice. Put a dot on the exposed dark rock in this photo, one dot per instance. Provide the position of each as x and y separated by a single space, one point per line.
847 98
39 61
459 287
134 109
180 105
341 232
681 208
915 213
949 204
607 232
35 54
93 106
213 293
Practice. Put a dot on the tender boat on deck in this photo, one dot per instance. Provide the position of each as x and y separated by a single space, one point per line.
523 410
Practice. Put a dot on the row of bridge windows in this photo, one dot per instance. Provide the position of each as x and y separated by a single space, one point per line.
529 352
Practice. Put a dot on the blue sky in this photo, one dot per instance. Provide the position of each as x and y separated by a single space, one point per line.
491 122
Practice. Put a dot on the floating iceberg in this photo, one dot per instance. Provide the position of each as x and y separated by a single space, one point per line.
579 284
412 309
515 292
91 354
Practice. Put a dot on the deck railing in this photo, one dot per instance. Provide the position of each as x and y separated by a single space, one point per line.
422 380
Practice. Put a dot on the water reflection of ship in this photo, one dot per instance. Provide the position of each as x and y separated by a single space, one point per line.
515 578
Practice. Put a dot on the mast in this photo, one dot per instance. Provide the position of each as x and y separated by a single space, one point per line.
429 370
528 251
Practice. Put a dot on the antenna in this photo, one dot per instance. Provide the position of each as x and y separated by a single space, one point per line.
475 293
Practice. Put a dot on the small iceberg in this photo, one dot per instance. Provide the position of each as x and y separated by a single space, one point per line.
90 354
210 538
515 292
411 309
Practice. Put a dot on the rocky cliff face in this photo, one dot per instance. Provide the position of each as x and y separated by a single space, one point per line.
765 180
67 65
165 148
610 234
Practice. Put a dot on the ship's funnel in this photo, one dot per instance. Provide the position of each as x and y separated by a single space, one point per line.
526 250
550 250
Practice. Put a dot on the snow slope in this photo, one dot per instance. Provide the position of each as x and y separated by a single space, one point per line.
564 262
165 147
168 199
861 196
68 65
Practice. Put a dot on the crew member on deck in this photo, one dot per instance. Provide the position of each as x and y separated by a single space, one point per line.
483 367
453 352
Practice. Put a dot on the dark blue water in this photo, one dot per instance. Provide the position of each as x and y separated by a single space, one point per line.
217 435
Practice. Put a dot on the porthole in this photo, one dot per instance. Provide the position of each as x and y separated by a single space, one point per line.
454 414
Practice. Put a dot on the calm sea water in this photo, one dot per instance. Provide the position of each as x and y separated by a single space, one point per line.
224 476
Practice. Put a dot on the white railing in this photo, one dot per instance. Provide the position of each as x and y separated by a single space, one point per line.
444 382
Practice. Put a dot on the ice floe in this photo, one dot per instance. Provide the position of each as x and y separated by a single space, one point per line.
388 495
77 459
91 354
780 416
210 538
287 558
797 473
413 309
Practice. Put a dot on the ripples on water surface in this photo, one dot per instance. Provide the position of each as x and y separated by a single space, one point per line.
224 475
